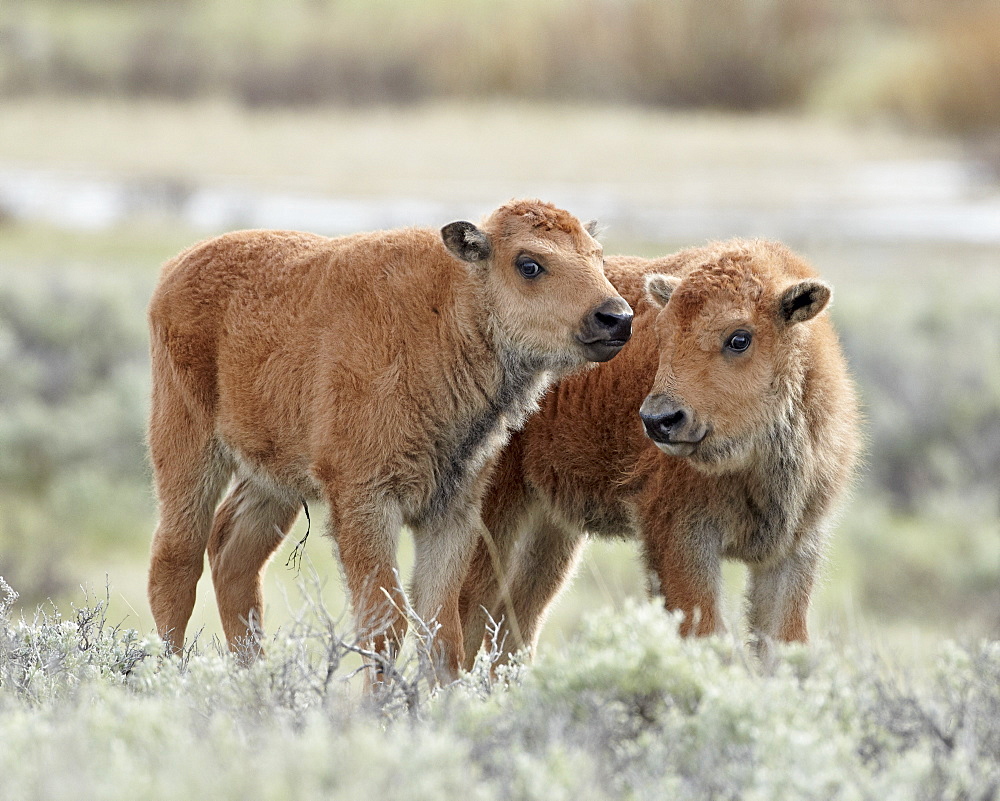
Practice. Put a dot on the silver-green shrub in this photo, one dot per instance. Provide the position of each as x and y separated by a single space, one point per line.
625 710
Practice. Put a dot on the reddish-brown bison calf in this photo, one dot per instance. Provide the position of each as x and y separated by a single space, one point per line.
727 429
378 372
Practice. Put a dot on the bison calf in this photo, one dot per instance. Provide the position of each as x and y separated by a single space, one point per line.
378 372
727 429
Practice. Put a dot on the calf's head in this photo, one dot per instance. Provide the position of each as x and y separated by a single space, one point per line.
541 273
730 336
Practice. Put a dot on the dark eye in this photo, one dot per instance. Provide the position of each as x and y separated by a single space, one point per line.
739 341
529 268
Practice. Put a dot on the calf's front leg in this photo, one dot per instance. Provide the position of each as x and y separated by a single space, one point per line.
366 535
778 595
686 565
444 552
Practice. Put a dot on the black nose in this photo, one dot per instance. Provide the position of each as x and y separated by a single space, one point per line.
613 320
659 424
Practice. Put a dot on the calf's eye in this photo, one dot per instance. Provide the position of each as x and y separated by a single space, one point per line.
739 341
529 268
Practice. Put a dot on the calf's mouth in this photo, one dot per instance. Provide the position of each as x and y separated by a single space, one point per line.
605 330
671 425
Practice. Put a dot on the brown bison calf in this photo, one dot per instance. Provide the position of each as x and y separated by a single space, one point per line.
727 429
379 372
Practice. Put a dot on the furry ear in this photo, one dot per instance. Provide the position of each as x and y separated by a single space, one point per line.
592 228
466 241
803 301
660 287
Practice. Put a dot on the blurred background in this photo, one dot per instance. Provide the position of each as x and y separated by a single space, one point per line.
865 133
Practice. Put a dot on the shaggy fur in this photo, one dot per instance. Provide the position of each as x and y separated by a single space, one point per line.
378 372
780 438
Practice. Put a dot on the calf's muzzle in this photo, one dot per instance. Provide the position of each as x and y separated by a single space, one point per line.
671 425
606 329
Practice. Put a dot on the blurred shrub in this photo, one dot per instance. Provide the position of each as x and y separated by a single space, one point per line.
933 64
932 67
949 77
734 53
72 364
73 390
673 53
929 371
730 54
921 542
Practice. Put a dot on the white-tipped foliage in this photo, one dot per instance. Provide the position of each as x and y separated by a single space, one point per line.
626 709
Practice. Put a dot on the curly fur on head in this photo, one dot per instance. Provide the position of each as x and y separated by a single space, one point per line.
730 276
541 215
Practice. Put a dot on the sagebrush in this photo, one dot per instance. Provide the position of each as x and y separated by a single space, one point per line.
626 709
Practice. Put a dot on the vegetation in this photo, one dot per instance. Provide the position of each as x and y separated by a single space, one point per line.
627 710
73 387
931 64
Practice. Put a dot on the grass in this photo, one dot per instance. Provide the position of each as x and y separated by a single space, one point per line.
458 152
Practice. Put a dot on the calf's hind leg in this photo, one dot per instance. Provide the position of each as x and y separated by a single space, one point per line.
191 471
249 526
542 564
488 569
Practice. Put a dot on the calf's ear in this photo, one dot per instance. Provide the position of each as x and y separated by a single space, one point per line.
466 241
592 227
660 287
803 301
